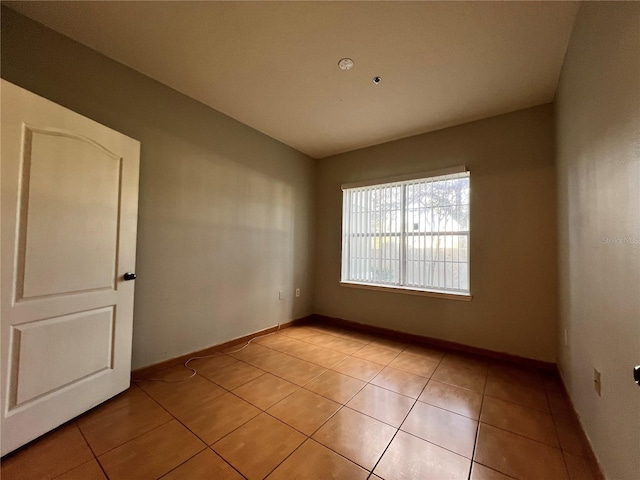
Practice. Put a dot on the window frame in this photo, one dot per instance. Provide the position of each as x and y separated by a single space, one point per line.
402 285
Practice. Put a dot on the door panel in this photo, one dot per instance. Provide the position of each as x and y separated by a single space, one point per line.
67 181
86 335
69 217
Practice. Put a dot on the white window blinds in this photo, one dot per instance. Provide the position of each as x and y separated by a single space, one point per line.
409 233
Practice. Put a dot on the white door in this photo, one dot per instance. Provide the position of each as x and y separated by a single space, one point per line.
69 212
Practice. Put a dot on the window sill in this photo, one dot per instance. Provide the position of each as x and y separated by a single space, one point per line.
465 297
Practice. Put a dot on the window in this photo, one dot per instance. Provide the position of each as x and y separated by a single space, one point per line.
408 232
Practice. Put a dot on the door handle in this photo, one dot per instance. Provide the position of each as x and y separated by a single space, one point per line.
636 374
129 276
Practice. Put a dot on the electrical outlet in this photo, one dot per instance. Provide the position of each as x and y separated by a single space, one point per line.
566 337
280 295
597 385
297 292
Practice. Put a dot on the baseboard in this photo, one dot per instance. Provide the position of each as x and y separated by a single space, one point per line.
142 372
435 342
592 455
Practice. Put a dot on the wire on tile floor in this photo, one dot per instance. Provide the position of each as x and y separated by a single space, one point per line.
194 371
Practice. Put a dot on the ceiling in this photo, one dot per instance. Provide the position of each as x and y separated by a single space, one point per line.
274 65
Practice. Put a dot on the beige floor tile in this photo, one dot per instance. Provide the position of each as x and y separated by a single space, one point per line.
271 361
480 472
322 356
300 332
381 404
313 461
265 391
358 368
505 390
53 454
175 374
276 341
87 471
560 407
152 454
344 345
360 438
297 371
335 386
470 362
414 364
377 354
455 399
552 382
319 338
518 456
212 363
389 343
292 346
446 429
400 382
206 465
330 329
459 377
409 458
260 356
432 354
244 351
580 468
524 376
258 446
216 418
525 421
233 375
356 336
127 398
571 437
304 410
181 397
104 432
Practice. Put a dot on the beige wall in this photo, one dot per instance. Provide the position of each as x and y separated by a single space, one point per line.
513 235
598 120
226 213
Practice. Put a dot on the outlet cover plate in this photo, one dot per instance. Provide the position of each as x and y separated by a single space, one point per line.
597 384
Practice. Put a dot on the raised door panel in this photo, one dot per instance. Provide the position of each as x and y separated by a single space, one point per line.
70 191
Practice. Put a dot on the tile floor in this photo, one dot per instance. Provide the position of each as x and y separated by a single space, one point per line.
325 403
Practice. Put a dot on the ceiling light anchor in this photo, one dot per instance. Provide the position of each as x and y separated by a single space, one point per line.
345 64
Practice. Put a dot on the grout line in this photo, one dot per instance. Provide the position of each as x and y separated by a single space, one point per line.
555 429
497 471
139 435
342 406
226 461
95 457
132 438
188 459
398 428
475 443
527 438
